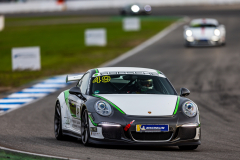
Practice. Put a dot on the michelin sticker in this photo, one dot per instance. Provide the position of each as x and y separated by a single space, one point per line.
152 128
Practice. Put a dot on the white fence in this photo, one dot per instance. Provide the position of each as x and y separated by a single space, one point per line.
45 6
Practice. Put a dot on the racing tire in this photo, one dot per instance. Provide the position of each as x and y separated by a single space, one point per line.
58 123
192 147
123 13
187 45
85 128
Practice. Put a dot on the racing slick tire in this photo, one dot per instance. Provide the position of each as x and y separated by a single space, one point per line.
192 147
186 44
58 123
85 128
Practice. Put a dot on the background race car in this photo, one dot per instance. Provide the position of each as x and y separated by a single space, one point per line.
204 32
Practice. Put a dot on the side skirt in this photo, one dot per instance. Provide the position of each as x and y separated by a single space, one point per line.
70 133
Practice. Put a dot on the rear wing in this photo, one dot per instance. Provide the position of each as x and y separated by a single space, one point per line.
73 78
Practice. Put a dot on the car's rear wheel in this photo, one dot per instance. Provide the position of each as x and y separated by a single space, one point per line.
85 128
192 147
58 122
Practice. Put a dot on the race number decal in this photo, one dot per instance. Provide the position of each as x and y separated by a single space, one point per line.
105 79
96 80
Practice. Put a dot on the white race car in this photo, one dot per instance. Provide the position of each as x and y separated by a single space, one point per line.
127 106
204 32
136 9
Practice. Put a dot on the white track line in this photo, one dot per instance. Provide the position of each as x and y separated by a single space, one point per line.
147 43
38 90
15 100
35 154
135 50
49 85
28 95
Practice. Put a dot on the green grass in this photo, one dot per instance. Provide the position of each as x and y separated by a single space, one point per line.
62 46
8 155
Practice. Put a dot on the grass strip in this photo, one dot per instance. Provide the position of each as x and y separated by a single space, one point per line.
63 49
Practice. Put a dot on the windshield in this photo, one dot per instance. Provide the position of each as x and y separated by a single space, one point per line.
131 84
203 25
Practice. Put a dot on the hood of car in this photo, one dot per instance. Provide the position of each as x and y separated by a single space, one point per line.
203 33
142 104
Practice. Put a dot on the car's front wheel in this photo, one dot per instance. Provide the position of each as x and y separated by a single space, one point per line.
58 122
85 128
192 147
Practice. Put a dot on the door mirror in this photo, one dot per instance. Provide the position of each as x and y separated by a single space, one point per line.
184 92
76 91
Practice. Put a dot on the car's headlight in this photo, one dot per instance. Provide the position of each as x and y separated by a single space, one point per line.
217 32
189 33
135 8
103 108
189 108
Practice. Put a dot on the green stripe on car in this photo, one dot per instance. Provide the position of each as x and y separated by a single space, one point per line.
66 95
95 124
96 70
158 72
176 108
110 103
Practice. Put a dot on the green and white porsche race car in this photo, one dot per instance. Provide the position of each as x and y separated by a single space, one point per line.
126 105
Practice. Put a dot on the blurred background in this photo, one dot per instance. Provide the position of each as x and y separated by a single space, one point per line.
57 28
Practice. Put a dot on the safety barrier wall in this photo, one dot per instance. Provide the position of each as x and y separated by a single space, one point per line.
45 6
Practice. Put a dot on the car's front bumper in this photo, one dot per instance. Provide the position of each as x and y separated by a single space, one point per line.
201 42
129 142
177 135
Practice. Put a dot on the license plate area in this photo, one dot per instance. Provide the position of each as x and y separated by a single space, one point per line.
152 128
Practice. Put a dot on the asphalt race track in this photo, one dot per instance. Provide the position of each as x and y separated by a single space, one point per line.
211 74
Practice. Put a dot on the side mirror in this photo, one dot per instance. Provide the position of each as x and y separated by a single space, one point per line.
76 91
184 92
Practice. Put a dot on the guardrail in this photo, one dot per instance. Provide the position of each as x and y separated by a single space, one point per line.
46 6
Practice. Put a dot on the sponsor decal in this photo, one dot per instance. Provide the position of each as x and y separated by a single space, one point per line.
152 128
149 112
96 92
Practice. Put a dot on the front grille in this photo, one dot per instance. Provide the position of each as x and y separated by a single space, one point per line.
160 136
202 42
187 133
111 132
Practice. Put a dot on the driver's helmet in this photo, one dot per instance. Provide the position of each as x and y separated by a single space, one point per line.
145 84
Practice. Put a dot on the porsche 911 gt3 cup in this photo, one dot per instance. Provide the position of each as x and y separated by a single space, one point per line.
126 105
204 32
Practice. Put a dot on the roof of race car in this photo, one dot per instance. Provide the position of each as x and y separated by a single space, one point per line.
204 21
126 69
